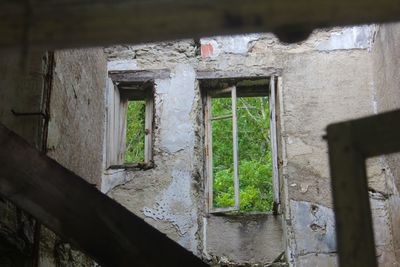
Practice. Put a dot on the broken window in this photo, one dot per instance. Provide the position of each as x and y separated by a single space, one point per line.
241 160
130 120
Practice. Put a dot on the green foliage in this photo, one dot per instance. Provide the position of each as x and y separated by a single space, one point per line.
135 132
255 162
255 165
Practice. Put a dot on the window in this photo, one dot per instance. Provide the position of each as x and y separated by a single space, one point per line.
130 125
241 144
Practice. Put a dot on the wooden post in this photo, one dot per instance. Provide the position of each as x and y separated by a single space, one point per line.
79 213
355 237
350 143
52 24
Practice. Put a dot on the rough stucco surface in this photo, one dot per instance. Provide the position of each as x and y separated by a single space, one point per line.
75 134
255 239
386 89
314 97
77 112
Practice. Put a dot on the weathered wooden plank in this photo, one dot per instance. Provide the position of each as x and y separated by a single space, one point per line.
378 134
138 76
50 24
209 153
148 139
235 149
274 138
242 75
350 143
81 214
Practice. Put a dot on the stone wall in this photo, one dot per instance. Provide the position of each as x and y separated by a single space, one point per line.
335 75
326 79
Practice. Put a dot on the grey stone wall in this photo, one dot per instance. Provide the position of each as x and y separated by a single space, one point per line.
335 75
326 79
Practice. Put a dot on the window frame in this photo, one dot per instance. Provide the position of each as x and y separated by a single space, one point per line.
119 96
231 88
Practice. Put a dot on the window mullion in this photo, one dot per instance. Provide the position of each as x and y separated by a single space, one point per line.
273 136
209 155
235 149
148 140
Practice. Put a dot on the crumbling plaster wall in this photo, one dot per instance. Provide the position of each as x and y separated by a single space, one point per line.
167 196
386 89
171 196
322 93
77 112
75 133
326 79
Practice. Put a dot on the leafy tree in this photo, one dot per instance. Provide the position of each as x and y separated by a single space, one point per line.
255 161
135 132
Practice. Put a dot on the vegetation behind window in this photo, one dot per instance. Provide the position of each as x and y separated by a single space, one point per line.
135 132
255 159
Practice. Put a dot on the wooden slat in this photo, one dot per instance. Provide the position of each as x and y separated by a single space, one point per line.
251 74
377 135
49 24
229 116
209 154
148 139
81 214
138 76
350 143
121 129
274 142
235 149
110 123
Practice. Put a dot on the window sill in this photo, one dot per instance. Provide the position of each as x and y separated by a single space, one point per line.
274 212
133 167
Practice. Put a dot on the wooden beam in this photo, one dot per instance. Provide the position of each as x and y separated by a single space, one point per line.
355 237
50 24
350 143
81 214
138 76
378 134
242 75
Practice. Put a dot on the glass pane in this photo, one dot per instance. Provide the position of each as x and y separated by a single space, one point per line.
255 159
223 163
221 106
135 132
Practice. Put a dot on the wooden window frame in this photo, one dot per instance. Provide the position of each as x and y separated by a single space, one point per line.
118 99
231 88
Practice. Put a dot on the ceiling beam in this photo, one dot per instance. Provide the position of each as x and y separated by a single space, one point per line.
81 214
52 24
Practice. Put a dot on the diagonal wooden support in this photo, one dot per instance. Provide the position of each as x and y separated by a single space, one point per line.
80 213
52 24
350 143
